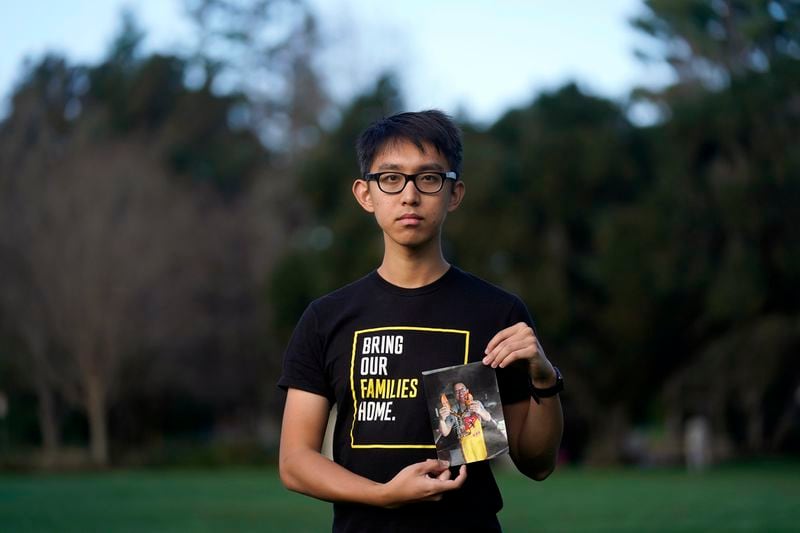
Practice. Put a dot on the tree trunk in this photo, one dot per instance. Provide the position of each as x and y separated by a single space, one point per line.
48 422
96 412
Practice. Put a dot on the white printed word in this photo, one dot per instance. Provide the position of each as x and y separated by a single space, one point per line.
368 411
383 344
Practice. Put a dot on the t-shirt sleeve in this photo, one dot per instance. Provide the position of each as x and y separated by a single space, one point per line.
513 381
304 359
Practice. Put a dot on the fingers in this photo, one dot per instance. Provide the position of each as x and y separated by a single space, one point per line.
510 351
512 344
450 484
430 466
425 481
441 471
454 483
500 337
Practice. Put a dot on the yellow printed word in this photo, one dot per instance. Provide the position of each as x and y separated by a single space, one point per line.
389 388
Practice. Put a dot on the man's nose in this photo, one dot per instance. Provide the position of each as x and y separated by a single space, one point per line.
410 194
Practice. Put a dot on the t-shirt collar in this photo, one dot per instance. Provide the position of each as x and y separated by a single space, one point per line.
416 291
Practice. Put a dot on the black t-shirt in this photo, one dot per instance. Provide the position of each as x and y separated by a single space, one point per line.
364 348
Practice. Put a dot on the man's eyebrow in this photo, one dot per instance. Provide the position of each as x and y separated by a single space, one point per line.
422 167
430 166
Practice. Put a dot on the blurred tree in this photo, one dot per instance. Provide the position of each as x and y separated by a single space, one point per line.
264 49
24 319
97 228
138 223
711 41
726 194
732 173
22 306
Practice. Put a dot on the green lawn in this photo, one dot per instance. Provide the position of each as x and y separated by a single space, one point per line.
757 497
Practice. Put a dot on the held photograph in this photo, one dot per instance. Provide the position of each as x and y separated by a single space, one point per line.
466 413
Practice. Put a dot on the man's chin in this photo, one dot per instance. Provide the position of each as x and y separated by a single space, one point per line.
413 242
416 245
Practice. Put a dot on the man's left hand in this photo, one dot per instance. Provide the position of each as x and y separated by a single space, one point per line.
519 343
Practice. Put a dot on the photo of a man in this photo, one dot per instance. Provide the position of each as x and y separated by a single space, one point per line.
467 417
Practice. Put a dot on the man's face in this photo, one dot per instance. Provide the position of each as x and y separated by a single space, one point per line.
409 218
461 392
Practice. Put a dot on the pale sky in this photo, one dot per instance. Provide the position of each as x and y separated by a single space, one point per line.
475 55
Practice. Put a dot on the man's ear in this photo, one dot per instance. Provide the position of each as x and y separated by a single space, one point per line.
363 196
456 195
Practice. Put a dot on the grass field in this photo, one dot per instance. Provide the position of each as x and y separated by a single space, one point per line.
759 497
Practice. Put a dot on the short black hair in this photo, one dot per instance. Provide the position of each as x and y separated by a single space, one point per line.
431 126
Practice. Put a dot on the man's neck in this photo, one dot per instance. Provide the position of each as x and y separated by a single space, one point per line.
411 269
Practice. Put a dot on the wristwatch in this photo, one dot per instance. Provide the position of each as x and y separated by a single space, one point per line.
551 391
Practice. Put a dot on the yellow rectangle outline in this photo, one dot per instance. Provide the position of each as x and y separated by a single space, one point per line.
353 387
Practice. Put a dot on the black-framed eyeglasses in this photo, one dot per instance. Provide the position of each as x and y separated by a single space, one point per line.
427 182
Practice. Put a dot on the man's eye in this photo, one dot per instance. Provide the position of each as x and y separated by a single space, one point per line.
430 178
391 178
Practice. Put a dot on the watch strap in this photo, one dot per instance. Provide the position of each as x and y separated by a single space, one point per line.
537 393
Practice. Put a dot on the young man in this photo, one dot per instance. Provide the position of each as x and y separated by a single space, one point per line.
364 346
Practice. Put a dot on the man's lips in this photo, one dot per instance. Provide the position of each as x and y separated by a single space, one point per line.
410 220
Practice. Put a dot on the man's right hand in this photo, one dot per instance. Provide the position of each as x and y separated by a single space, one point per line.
425 481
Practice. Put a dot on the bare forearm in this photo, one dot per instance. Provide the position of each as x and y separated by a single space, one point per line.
311 473
534 429
304 469
538 439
